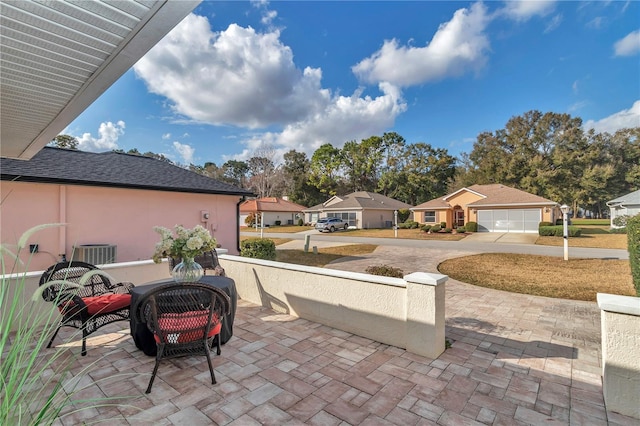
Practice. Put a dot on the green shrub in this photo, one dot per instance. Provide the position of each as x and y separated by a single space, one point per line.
546 224
460 230
425 228
621 221
300 222
633 246
258 248
443 224
471 227
618 230
278 222
414 225
436 228
558 231
447 230
385 271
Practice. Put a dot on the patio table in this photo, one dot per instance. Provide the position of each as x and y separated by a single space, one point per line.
143 338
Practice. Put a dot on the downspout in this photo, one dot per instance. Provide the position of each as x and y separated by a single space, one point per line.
242 200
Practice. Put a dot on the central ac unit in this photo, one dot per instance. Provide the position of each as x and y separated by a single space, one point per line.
95 254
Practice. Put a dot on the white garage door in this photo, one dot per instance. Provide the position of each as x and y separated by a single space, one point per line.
513 220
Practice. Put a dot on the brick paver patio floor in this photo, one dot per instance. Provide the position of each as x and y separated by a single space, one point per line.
514 360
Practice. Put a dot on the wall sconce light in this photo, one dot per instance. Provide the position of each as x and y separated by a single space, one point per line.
547 209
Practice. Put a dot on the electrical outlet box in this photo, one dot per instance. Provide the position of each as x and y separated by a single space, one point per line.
33 248
204 215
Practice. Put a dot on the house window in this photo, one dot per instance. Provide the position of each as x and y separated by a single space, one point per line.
349 217
430 216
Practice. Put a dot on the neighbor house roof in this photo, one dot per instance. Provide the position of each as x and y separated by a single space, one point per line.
111 169
361 200
492 195
632 198
270 204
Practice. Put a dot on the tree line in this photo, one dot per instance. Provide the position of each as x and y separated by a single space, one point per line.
546 154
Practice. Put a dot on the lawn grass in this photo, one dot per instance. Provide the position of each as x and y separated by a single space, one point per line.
276 241
578 279
593 236
325 255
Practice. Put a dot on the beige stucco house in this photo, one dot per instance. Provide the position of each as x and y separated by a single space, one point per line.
495 207
273 210
110 203
362 209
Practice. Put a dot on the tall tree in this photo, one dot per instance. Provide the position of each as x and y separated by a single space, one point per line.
65 141
235 172
361 162
325 169
296 176
262 172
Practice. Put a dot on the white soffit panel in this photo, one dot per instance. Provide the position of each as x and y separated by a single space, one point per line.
58 56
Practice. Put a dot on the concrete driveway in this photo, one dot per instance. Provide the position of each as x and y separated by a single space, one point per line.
503 237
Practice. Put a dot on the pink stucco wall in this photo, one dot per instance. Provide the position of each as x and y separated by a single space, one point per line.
94 215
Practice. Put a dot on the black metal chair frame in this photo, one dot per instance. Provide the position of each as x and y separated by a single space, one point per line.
182 301
62 296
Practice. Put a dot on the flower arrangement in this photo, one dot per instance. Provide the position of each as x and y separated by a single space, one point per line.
186 243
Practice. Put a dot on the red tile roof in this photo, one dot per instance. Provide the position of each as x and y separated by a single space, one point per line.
270 204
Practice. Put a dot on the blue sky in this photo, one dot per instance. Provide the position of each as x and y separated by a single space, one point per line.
236 78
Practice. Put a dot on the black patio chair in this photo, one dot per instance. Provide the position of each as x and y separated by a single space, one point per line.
184 319
97 303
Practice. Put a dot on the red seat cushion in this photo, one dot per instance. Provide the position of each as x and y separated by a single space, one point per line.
186 327
99 304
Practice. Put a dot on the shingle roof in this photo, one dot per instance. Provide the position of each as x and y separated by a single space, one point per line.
360 200
494 195
270 204
630 198
110 169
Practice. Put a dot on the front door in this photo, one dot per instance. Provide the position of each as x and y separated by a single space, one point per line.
459 218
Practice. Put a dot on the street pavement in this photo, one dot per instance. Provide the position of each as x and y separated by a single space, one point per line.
480 242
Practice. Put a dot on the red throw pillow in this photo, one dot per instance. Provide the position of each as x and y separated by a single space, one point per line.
98 304
186 327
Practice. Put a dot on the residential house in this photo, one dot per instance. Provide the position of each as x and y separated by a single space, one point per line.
626 205
272 210
495 208
110 203
362 209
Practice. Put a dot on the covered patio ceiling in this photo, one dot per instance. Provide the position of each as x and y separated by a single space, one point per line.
57 57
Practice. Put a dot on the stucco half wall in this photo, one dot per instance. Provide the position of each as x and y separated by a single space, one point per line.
116 216
407 313
620 320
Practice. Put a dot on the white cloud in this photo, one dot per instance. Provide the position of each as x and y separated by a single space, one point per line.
554 23
457 46
166 136
248 79
107 140
238 76
627 118
184 151
523 10
347 118
629 45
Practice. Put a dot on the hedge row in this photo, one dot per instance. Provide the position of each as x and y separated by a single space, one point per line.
633 243
558 231
258 248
